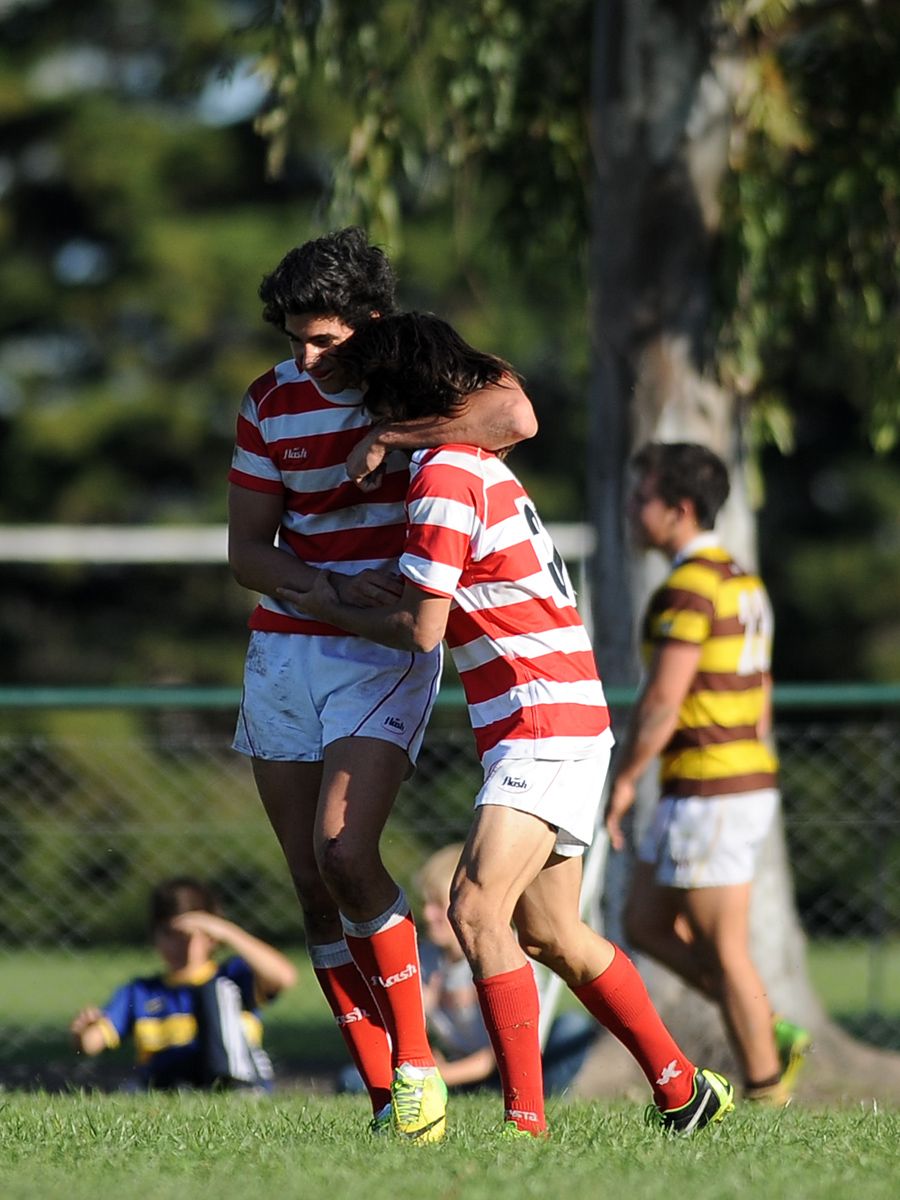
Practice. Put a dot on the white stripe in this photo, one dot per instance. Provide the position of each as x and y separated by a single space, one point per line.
428 574
555 749
470 463
477 597
569 639
260 466
536 691
288 372
362 516
449 514
313 422
228 1000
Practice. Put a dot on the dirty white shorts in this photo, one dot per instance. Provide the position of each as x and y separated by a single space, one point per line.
565 794
708 841
304 691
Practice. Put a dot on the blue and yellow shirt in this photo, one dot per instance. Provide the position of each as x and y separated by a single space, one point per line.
159 1013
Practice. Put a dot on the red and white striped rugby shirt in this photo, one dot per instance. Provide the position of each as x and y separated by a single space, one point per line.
293 440
522 652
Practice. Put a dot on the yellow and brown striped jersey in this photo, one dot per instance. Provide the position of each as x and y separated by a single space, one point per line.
709 601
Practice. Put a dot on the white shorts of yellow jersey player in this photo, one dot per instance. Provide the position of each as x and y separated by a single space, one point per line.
304 691
708 841
566 794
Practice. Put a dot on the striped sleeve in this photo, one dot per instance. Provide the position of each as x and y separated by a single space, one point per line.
684 607
252 465
444 507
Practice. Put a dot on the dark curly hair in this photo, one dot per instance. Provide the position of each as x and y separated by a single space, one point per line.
685 471
338 275
415 365
180 895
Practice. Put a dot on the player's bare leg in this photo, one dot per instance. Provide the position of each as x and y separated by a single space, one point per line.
654 924
290 796
360 782
604 980
719 921
504 852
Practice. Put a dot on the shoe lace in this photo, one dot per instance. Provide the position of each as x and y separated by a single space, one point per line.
407 1096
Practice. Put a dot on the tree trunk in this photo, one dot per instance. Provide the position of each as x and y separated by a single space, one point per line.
663 97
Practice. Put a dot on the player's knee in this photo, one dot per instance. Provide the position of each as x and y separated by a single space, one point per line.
470 915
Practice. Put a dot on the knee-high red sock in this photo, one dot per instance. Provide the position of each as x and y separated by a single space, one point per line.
620 1001
387 954
358 1020
510 1007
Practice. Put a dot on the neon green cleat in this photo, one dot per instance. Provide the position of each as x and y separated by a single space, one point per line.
793 1044
419 1103
712 1100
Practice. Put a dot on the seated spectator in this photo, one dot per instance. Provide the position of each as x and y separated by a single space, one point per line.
198 1023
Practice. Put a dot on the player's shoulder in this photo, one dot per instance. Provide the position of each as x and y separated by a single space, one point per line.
703 571
284 385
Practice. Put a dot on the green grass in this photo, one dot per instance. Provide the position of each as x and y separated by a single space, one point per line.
168 1147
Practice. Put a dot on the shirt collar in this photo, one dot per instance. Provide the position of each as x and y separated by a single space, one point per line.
703 541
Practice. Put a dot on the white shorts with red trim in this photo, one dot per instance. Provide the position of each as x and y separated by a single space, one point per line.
304 691
708 841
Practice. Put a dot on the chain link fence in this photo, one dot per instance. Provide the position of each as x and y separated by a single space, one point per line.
96 806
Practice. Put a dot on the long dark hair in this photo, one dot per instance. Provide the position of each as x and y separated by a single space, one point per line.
415 365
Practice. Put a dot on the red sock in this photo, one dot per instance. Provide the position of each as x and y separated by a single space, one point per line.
389 962
360 1024
510 1007
619 1000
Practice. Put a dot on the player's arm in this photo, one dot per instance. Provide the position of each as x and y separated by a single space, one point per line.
258 565
273 972
495 417
653 721
415 622
474 1068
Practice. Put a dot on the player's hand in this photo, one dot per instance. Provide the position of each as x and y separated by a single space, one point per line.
369 588
317 602
365 464
620 801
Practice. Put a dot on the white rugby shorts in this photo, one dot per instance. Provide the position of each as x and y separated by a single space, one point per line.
566 794
708 841
304 691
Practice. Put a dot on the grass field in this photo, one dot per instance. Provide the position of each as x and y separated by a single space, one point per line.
81 1144
163 1147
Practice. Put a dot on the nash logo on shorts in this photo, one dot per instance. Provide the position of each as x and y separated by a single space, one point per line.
514 784
395 723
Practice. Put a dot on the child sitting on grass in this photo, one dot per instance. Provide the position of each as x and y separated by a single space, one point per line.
197 1024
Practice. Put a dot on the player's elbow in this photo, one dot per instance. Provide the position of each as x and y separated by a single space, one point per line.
424 642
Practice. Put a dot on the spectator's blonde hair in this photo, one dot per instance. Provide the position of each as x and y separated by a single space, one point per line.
436 873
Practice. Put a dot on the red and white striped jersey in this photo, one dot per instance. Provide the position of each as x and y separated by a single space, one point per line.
522 652
293 440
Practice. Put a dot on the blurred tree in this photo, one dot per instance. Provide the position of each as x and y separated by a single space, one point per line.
135 224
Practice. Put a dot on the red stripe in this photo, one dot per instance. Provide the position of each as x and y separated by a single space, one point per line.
347 495
530 616
542 721
272 622
347 545
254 482
494 678
289 398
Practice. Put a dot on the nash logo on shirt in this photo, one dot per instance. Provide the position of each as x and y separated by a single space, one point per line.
295 453
395 723
519 785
